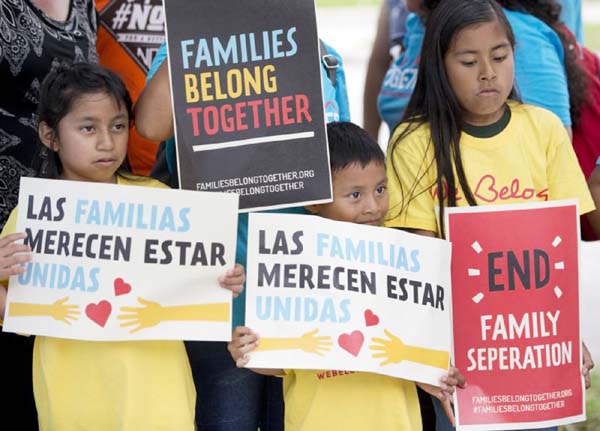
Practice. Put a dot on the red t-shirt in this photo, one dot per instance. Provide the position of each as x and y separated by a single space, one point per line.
586 135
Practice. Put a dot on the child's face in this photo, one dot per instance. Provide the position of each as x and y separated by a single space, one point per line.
359 195
480 69
92 139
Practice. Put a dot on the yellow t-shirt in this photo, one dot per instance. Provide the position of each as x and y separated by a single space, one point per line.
531 159
116 386
349 401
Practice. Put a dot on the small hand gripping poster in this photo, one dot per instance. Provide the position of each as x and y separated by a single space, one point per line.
116 262
515 309
247 100
329 295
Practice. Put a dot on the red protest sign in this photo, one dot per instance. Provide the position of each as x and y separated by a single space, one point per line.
516 315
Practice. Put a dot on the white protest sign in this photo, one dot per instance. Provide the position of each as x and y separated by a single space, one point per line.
116 262
331 295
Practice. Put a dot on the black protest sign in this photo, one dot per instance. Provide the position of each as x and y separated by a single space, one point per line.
247 99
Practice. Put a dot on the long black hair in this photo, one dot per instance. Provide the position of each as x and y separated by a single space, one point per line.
59 91
434 103
548 11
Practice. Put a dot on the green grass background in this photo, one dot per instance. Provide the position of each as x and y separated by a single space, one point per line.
592 408
591 34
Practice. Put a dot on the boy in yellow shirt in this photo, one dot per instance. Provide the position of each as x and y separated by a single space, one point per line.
317 400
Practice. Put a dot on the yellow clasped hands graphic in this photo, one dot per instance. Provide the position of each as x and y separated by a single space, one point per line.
152 313
308 342
394 351
58 310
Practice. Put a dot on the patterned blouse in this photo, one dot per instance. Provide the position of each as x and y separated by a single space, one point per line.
31 45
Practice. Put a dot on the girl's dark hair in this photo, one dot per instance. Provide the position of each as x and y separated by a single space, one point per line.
434 103
548 11
60 90
349 144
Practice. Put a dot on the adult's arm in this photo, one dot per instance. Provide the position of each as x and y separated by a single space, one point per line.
153 114
379 61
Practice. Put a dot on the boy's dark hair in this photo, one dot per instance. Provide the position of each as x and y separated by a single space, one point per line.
349 144
434 103
59 91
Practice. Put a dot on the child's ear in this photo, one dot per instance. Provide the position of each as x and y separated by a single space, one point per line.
314 209
48 136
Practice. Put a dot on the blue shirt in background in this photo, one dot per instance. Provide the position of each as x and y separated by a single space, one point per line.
571 16
397 14
335 99
540 76
399 81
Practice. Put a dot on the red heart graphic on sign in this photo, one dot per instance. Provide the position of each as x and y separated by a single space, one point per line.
371 319
121 288
352 343
99 312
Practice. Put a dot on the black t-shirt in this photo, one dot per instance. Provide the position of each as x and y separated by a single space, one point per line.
31 45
